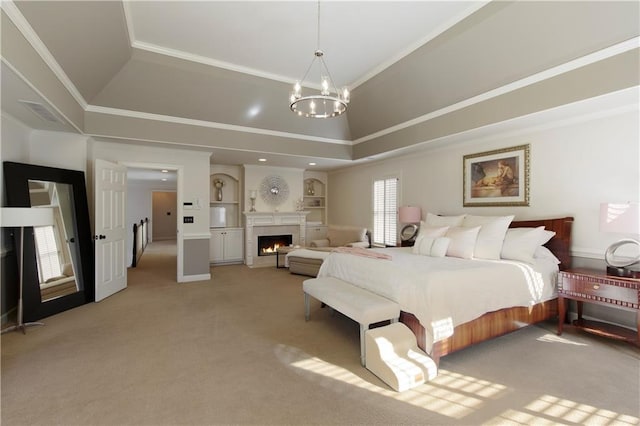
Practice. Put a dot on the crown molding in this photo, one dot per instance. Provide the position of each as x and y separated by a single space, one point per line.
209 124
179 54
28 32
600 55
419 43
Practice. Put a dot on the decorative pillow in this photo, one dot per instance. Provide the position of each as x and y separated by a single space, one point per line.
435 220
544 253
440 246
463 241
491 235
435 247
521 243
428 232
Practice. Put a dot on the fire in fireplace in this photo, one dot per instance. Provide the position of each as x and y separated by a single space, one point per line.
268 244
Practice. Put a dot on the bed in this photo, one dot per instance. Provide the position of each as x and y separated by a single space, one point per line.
495 311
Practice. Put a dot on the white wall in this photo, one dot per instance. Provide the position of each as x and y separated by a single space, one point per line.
253 176
58 149
574 167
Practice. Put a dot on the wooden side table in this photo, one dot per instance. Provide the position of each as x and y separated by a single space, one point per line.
594 286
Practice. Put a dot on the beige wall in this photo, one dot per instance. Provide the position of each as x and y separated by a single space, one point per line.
164 209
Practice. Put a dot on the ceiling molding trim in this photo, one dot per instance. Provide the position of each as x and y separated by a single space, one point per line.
209 150
128 20
28 32
606 53
421 42
41 95
209 124
179 54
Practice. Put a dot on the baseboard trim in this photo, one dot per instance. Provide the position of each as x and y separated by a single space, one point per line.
191 278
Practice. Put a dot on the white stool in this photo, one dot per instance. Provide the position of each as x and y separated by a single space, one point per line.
392 354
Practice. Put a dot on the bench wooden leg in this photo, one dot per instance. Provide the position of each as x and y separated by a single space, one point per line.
363 330
306 307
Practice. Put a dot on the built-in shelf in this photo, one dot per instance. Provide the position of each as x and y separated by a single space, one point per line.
230 195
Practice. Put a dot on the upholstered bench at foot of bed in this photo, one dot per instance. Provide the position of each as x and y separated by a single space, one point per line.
356 303
306 261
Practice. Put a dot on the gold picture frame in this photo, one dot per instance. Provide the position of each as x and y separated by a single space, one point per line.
497 178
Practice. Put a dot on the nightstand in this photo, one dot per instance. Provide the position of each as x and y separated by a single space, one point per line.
594 286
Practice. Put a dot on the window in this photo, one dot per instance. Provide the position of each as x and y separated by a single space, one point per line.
48 254
385 206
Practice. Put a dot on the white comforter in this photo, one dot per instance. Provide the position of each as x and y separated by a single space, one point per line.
443 292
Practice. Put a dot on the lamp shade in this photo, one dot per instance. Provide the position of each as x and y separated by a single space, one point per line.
623 218
26 216
409 214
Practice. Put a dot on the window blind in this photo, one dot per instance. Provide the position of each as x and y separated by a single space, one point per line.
48 254
385 206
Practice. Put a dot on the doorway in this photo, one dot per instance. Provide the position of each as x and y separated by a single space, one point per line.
163 215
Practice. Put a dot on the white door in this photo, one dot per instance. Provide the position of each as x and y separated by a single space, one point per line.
110 233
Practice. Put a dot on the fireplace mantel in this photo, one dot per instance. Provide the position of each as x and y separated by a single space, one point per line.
297 219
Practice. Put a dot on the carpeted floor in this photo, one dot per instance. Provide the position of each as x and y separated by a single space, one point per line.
236 350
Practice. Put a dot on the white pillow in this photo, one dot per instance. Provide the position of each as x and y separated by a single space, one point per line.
544 253
491 235
428 232
521 243
463 241
440 246
435 220
436 247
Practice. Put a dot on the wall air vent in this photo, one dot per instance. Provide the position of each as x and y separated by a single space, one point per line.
41 111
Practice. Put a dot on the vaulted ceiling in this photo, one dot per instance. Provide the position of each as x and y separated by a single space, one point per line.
216 75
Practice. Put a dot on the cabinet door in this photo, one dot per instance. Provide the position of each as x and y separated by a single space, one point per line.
216 246
233 248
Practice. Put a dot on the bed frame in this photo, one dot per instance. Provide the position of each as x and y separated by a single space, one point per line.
503 321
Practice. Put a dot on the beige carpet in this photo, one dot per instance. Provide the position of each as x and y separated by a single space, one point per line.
236 350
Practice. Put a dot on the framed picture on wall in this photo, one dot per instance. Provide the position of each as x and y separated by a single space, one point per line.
497 178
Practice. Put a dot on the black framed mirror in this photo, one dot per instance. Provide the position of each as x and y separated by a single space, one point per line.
59 259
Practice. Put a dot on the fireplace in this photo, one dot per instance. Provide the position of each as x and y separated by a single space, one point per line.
268 244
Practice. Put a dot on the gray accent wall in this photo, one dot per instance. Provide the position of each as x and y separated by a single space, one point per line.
196 257
499 44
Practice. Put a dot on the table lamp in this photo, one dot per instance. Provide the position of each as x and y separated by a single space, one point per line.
21 217
410 215
623 218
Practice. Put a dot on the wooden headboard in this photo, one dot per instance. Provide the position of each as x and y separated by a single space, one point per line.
560 244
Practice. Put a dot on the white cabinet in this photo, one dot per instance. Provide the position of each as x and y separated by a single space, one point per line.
225 245
316 233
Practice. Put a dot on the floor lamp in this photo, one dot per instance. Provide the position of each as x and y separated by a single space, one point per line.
21 217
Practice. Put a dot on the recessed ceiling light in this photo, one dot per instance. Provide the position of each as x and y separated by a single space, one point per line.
165 171
312 164
164 179
262 159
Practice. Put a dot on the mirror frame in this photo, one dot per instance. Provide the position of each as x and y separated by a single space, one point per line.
17 177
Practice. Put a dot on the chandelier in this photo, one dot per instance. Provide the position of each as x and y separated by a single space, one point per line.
331 102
